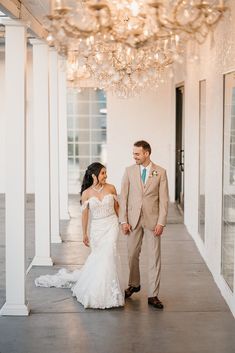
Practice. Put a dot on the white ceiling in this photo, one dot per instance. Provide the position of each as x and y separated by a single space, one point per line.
41 8
38 8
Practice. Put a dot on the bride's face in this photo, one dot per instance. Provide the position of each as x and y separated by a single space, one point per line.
102 176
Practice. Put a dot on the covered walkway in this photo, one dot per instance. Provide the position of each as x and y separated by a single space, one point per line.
196 319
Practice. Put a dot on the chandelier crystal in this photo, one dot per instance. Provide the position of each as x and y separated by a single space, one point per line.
127 45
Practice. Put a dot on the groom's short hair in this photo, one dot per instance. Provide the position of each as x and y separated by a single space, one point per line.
144 144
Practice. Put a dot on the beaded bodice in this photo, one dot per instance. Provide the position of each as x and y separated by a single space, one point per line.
100 208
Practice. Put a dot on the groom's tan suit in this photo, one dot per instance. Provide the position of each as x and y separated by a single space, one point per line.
144 206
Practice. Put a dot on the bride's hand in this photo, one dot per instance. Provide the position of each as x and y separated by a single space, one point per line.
86 240
126 228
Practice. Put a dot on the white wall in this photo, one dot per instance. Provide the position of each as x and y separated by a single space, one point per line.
215 60
147 117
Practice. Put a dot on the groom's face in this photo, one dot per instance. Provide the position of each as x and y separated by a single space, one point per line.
140 155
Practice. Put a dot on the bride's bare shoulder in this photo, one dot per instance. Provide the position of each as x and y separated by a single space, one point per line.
86 194
111 188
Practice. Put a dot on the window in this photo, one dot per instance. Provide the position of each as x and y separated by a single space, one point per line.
228 217
86 132
202 138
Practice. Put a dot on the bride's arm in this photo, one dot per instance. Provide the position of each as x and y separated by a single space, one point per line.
85 217
116 204
116 207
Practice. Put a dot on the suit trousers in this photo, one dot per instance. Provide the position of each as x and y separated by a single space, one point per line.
135 239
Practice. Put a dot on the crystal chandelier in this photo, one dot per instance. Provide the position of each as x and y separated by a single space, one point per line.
126 45
118 68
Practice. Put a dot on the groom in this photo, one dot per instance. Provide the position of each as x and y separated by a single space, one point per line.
143 212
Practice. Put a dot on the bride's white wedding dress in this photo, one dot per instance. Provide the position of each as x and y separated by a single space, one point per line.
97 284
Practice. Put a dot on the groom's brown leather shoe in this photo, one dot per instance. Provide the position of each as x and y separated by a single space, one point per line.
130 290
155 302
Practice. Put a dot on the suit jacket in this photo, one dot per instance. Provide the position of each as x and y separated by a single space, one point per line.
151 199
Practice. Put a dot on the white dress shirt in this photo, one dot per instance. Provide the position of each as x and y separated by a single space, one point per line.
147 171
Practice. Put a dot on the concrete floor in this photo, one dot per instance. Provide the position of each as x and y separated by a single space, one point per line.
195 319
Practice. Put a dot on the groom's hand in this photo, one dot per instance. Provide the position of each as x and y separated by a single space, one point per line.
158 230
126 228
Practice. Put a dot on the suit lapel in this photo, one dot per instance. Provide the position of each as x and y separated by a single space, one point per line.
138 177
150 178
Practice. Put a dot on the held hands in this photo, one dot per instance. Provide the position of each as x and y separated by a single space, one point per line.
158 230
126 228
86 240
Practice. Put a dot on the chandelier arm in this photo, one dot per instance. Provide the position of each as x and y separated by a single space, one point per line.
175 25
74 31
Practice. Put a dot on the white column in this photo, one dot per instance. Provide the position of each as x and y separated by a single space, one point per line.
41 153
63 148
54 146
15 69
2 123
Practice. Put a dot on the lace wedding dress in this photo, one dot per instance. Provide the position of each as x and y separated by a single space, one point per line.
97 284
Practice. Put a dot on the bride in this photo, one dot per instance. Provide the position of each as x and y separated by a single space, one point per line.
97 284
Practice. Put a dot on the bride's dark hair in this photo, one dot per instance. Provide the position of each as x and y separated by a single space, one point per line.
93 168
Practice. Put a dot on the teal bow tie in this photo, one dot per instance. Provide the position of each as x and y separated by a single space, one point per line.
143 175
